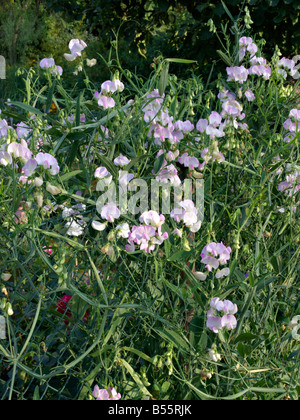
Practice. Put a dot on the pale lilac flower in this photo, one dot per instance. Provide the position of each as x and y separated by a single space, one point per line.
48 162
214 254
261 70
185 126
76 46
100 394
258 60
47 63
22 130
19 150
110 212
108 87
5 158
114 395
118 85
221 315
29 167
249 95
168 174
4 127
103 176
187 213
295 114
190 162
237 74
201 125
215 119
102 172
286 66
226 95
152 218
215 132
106 102
214 323
109 395
58 70
121 160
229 321
146 237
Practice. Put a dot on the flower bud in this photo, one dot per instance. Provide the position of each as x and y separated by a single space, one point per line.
5 276
38 182
39 199
52 189
200 276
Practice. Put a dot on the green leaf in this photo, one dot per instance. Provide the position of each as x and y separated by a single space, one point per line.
36 394
26 107
225 58
245 337
139 353
109 165
180 256
158 163
180 60
163 81
49 98
172 336
135 377
70 175
77 117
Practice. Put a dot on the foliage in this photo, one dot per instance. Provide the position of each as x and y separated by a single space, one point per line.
84 305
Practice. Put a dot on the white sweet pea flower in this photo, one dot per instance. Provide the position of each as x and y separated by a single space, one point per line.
123 230
76 46
74 229
91 63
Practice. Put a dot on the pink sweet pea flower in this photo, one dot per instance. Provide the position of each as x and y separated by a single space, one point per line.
110 212
106 102
47 63
19 150
29 167
103 394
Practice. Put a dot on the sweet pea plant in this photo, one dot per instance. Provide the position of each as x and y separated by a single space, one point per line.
104 295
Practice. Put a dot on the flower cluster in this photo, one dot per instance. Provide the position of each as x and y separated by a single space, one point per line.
292 125
108 87
162 126
221 315
291 185
287 67
214 255
106 394
187 213
75 222
258 66
49 63
148 234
